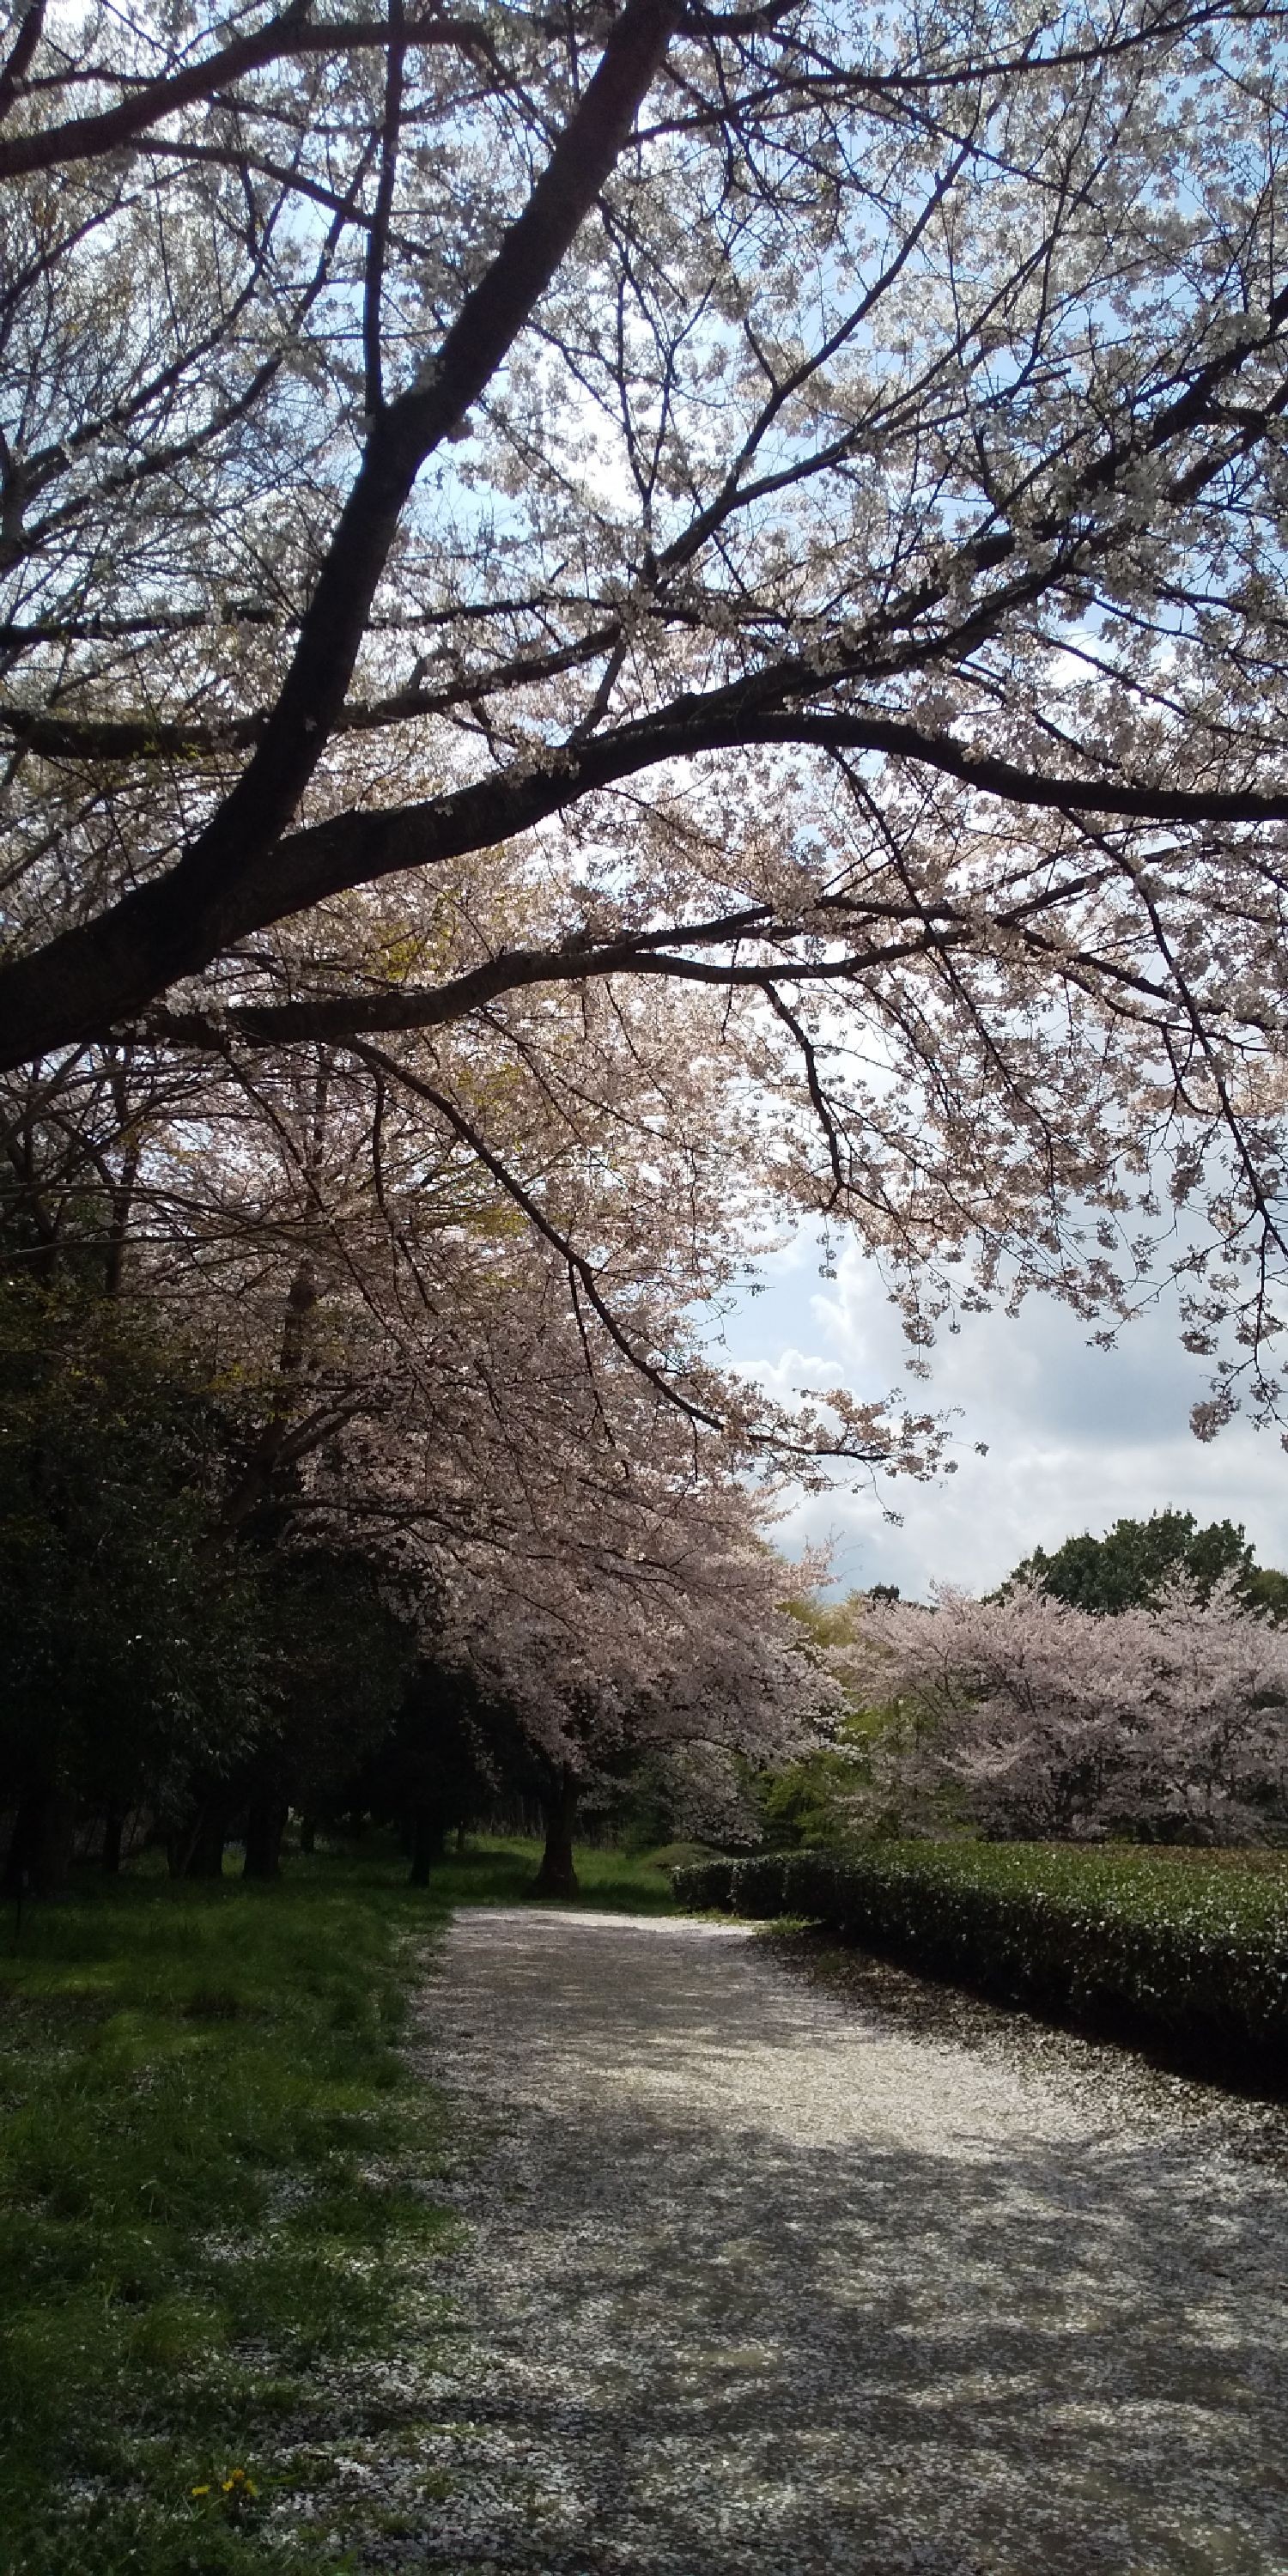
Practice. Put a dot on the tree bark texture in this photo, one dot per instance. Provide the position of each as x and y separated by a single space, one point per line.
95 972
265 1826
196 1850
429 1827
40 1852
557 1876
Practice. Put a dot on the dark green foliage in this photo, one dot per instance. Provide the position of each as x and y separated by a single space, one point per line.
644 1808
337 1665
441 1762
147 1658
1124 1570
1265 1589
809 1802
335 1661
1181 1945
126 1651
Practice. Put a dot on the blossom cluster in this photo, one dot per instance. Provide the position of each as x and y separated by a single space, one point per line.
1166 1722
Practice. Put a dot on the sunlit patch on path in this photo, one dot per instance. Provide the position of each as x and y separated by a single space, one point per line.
778 2276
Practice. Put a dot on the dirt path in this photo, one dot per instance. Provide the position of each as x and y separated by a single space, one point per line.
777 2274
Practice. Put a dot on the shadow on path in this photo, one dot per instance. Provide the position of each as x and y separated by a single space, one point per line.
770 2277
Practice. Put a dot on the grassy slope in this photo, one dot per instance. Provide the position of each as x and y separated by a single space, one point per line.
214 2172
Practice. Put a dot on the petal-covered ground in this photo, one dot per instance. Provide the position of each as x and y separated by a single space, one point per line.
781 2262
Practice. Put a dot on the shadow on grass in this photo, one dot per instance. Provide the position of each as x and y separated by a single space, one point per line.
492 1870
496 1871
212 2170
214 2173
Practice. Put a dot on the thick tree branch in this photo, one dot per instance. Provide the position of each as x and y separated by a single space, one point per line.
87 138
31 19
211 886
377 239
667 955
94 738
355 849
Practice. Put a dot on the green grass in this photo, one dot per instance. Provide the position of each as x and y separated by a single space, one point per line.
1191 1946
214 2174
495 1871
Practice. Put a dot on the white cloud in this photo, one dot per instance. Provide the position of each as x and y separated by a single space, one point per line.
1076 1436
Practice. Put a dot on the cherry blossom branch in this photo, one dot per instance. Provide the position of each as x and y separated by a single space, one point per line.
86 138
339 1016
399 38
212 882
578 1268
359 848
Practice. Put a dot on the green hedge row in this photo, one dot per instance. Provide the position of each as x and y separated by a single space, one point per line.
1175 1945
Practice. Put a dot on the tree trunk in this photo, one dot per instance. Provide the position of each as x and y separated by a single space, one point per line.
556 1876
308 1833
197 1850
426 1843
40 1853
113 1837
265 1826
460 1838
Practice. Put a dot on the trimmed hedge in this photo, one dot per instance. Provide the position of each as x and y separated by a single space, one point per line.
1175 1945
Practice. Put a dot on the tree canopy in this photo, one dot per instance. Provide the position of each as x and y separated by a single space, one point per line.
757 529
1126 1568
1136 1560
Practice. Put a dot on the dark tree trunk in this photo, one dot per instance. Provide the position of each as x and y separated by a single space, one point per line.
460 1838
308 1833
197 1850
265 1826
427 1831
113 1838
556 1876
40 1854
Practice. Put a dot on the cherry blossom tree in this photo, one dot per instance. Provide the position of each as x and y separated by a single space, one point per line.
669 1637
1162 1722
774 510
378 1213
496 1393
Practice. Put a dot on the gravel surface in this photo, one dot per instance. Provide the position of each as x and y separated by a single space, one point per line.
782 2261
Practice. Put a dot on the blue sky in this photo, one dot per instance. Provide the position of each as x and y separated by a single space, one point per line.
1077 1436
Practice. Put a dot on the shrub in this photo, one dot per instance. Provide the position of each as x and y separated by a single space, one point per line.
1176 1945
